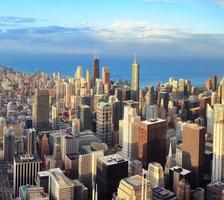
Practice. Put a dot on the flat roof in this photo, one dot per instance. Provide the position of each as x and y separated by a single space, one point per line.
153 121
112 159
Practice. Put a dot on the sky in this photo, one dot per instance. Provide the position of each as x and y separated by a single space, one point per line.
152 28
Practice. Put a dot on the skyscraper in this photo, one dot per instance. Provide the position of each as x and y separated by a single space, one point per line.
85 116
88 79
96 69
30 141
41 110
152 141
193 152
134 187
25 169
218 152
8 145
110 170
155 175
130 122
135 75
104 122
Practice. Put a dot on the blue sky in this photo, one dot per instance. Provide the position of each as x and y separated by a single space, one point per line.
157 28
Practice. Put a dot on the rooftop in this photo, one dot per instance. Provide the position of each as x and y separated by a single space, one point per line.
112 159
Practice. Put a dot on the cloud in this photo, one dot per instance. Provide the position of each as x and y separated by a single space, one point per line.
119 37
11 20
220 2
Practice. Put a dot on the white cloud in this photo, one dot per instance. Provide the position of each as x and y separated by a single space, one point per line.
166 1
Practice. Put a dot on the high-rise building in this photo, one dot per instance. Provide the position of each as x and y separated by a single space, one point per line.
155 175
193 152
85 116
75 126
176 174
8 145
2 126
110 170
210 115
135 75
130 122
30 141
41 110
54 116
88 79
219 112
152 141
134 187
25 169
218 152
106 75
61 187
104 122
96 69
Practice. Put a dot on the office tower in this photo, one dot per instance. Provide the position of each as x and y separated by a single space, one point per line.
159 193
214 98
99 87
210 115
163 99
215 191
155 175
117 113
152 142
76 126
2 126
110 170
69 92
218 152
60 88
88 79
87 100
135 76
134 187
193 152
71 165
96 69
27 192
25 169
8 145
85 116
40 110
211 84
104 122
219 112
30 135
130 131
43 180
151 112
45 149
176 174
54 115
20 149
203 104
61 187
135 168
88 169
106 75
149 97
69 145
182 86
78 73
80 191
183 190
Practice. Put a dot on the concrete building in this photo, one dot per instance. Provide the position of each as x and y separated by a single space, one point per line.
133 188
130 122
25 171
155 175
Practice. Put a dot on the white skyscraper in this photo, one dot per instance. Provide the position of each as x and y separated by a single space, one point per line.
130 130
218 152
